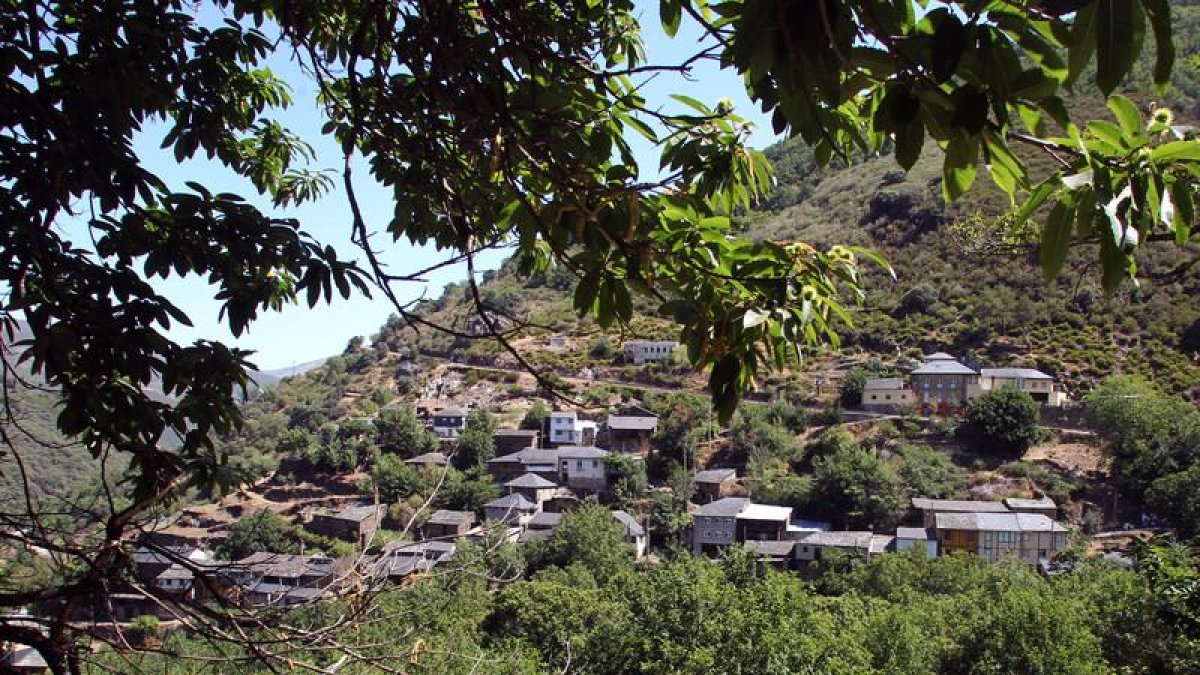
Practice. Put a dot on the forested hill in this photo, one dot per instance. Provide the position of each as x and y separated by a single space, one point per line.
966 282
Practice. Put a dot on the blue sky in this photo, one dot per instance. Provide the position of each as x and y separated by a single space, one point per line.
299 334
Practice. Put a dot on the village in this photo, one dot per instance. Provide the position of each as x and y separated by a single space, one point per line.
548 472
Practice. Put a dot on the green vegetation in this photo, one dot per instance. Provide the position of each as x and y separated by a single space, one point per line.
1001 422
587 609
260 531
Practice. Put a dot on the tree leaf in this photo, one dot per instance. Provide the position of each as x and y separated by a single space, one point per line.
1056 239
1159 12
1186 151
1120 27
1126 113
958 169
670 13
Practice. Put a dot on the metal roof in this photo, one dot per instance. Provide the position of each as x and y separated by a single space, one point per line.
1019 373
727 507
715 476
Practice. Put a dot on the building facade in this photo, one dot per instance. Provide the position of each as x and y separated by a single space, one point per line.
649 351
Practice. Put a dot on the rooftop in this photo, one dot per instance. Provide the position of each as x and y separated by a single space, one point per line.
450 412
766 512
840 539
632 527
532 481
997 522
545 520
448 517
359 512
717 476
625 423
1019 373
958 505
581 452
942 364
915 533
1015 503
523 433
728 507
884 383
881 543
436 458
513 502
564 414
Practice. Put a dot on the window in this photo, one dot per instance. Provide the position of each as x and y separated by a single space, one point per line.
579 464
888 397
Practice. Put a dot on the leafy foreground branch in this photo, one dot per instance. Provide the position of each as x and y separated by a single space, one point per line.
495 123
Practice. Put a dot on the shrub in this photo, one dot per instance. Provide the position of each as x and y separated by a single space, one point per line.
1002 421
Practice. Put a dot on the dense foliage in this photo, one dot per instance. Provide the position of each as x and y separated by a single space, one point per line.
1002 421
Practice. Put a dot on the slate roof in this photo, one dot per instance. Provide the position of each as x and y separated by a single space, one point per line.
545 520
525 433
840 539
538 456
889 383
1020 373
632 527
450 412
358 512
283 565
936 365
728 507
515 502
919 533
623 423
534 535
176 572
997 522
531 481
715 476
448 517
581 452
564 414
881 543
958 505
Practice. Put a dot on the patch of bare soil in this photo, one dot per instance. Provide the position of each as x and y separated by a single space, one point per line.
1078 459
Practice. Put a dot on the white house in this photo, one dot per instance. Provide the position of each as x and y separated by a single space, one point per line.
650 351
1040 386
887 394
583 468
567 429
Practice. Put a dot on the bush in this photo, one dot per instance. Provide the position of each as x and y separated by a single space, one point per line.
1002 422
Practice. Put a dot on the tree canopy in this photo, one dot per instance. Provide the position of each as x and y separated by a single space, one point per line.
510 124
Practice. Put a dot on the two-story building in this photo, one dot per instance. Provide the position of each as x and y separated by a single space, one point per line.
1029 537
355 523
533 487
1040 386
447 524
449 422
942 379
630 429
650 351
713 484
714 525
583 469
514 440
513 509
567 429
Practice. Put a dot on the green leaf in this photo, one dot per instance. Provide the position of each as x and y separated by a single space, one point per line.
1185 211
1036 199
670 13
909 140
1126 113
949 41
1120 27
1159 12
1176 151
693 104
1056 239
958 169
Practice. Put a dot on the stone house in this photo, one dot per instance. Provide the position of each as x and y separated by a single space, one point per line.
629 430
583 468
446 524
713 484
356 523
649 351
